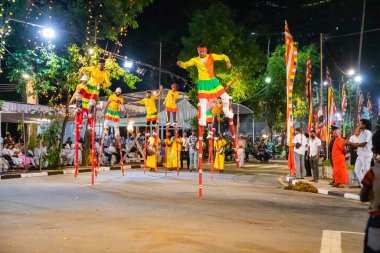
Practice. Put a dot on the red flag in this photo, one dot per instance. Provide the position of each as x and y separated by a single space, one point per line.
331 109
291 67
309 94
344 100
369 105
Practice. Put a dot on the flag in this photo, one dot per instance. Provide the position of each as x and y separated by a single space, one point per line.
309 94
369 105
344 100
291 66
360 105
378 111
344 107
331 109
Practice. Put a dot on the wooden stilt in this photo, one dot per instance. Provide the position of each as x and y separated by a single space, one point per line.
200 150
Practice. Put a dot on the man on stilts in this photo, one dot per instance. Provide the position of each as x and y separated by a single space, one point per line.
77 96
151 118
112 115
99 78
171 108
209 87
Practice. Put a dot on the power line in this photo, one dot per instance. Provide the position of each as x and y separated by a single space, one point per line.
350 34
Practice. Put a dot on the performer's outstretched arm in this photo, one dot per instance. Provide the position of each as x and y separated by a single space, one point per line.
187 64
222 57
159 92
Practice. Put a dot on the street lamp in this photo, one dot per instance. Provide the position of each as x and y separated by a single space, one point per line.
128 64
358 79
351 72
325 83
25 76
268 79
48 33
91 51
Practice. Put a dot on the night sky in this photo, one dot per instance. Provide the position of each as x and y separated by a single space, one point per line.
167 20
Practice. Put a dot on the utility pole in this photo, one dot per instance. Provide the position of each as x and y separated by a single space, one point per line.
361 37
321 67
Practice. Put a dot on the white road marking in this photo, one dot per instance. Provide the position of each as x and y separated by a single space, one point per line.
332 240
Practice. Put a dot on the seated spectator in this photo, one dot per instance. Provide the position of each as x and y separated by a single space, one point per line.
63 156
110 153
262 154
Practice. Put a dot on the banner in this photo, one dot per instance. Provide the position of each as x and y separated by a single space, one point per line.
344 108
369 105
291 66
309 94
331 109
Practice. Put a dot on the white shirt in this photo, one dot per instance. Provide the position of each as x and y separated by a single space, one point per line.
313 145
185 143
354 139
365 136
303 141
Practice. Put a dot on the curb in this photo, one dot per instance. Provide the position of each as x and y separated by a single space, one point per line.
69 171
322 191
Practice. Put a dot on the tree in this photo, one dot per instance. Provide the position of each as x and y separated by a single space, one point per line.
273 95
215 28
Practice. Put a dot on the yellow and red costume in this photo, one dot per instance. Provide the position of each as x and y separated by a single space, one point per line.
151 159
171 105
219 146
91 91
208 84
170 101
151 110
173 152
112 113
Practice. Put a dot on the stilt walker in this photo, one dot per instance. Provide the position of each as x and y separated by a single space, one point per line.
77 96
112 115
99 78
208 88
151 117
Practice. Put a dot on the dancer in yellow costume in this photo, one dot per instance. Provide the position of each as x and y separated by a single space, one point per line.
168 145
99 78
150 105
220 147
170 105
112 112
152 152
176 151
208 85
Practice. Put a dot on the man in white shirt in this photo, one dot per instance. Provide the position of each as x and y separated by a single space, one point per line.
365 154
185 150
313 151
353 151
300 143
193 140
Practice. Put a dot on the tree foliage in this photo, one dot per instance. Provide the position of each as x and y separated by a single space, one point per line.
273 95
215 28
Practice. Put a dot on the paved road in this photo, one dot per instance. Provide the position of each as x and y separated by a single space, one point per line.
247 211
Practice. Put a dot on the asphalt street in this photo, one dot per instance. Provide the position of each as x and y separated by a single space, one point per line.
244 211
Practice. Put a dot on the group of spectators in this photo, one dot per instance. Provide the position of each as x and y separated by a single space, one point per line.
14 155
357 151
